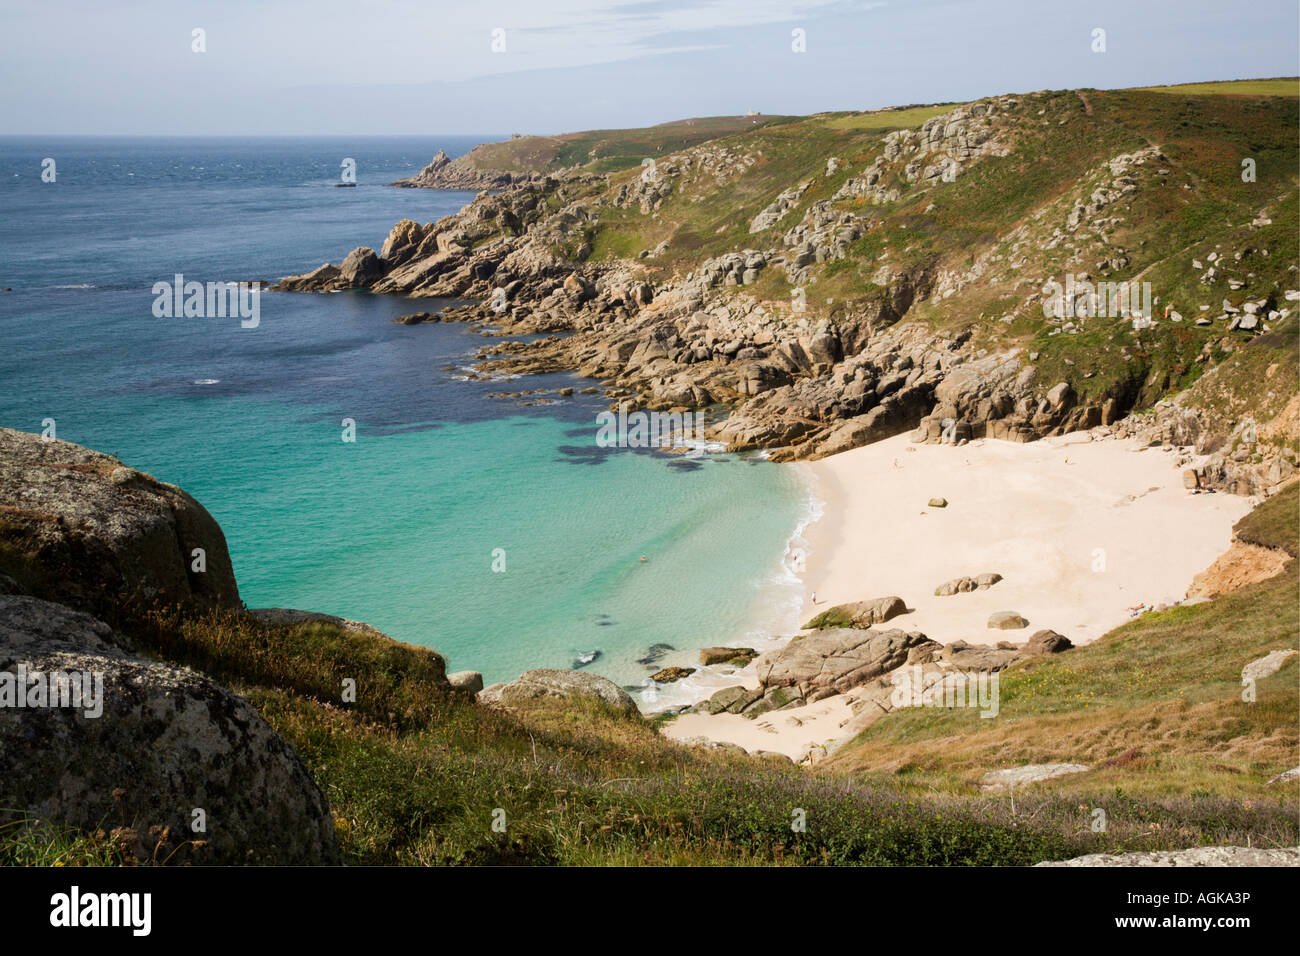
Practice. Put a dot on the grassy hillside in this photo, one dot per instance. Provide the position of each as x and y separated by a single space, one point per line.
606 150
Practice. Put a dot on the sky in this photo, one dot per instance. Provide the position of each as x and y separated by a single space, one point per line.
492 67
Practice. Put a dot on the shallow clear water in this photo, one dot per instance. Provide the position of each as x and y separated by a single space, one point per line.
401 527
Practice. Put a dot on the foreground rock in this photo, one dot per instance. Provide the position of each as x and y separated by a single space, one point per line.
146 748
1197 856
858 614
544 683
80 528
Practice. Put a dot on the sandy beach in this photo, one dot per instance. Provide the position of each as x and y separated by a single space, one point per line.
1082 532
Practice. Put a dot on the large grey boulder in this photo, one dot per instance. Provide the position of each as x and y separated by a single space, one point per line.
147 749
544 683
841 658
80 528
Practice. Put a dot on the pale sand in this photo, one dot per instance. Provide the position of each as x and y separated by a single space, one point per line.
1042 515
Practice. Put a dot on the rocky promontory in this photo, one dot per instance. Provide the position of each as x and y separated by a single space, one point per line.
849 309
443 172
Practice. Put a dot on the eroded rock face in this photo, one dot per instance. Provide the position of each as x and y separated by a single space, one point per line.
145 747
841 658
81 528
543 683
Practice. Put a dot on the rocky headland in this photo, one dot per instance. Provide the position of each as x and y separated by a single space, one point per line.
740 326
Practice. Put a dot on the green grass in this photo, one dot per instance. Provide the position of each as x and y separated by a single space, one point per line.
908 118
1282 86
1274 524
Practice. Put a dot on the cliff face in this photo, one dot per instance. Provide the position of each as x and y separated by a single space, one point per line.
1011 268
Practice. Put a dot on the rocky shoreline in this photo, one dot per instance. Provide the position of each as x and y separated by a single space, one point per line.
803 381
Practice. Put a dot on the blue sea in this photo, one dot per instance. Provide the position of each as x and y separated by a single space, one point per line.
403 527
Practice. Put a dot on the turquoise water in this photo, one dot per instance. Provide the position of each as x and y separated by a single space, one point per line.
401 528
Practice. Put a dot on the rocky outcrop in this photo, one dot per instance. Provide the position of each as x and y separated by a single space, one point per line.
561 685
148 750
840 659
80 528
443 172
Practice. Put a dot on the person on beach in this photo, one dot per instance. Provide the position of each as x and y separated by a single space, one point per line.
814 597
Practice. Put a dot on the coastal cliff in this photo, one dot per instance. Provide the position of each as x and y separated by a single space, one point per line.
827 282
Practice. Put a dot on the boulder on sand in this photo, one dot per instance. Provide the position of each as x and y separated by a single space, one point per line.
1006 620
964 584
858 614
1046 642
